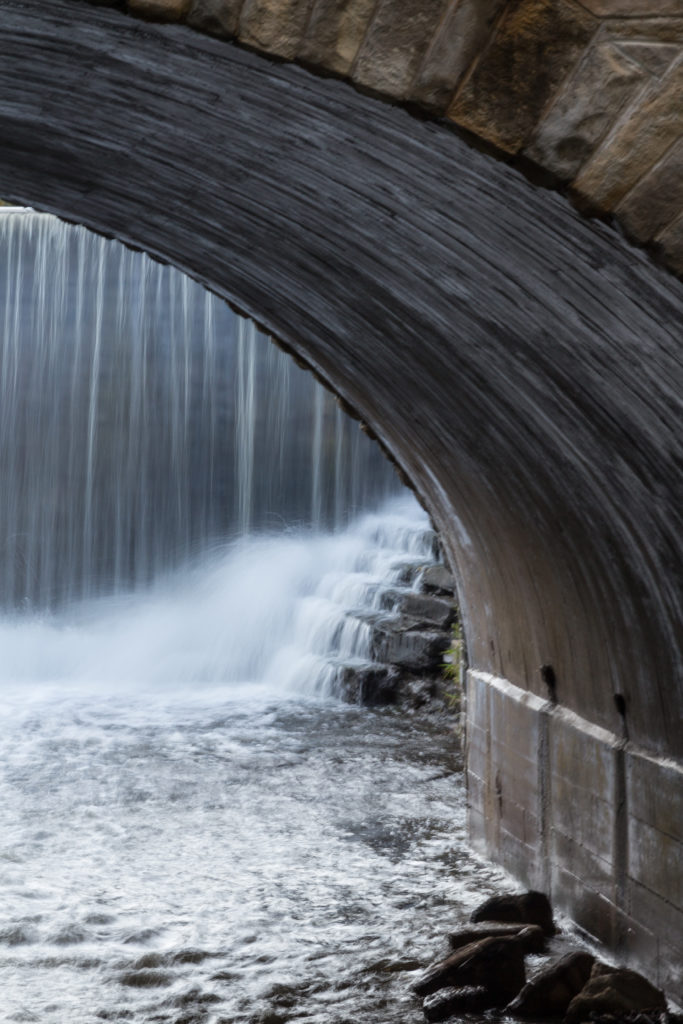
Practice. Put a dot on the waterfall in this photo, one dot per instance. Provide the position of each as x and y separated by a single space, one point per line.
144 423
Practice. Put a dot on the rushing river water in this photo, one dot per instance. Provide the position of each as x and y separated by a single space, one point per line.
193 831
193 827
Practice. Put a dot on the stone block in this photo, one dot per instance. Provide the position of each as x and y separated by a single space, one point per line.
655 792
659 916
275 26
585 110
655 861
583 786
159 10
591 909
632 8
653 57
396 43
335 33
536 46
670 243
638 142
657 200
460 38
216 17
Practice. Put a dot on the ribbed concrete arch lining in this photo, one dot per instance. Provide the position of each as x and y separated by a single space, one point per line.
523 365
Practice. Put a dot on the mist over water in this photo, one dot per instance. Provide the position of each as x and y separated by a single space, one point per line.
193 828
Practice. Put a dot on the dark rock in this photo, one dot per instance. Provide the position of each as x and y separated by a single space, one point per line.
616 991
523 908
429 611
496 964
531 936
369 683
550 992
400 642
436 579
450 1001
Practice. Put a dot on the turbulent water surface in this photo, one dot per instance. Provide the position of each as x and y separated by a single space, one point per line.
193 827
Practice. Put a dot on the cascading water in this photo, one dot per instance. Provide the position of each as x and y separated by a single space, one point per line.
148 422
194 543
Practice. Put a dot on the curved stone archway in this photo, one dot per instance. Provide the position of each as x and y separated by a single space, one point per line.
522 366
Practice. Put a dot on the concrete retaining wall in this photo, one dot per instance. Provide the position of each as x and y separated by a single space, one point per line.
580 813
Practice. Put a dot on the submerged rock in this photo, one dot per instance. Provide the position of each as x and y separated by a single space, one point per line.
531 936
496 964
549 993
450 1001
521 908
616 991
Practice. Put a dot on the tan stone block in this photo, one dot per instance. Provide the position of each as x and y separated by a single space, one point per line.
661 30
217 17
460 38
396 43
159 10
585 110
655 58
670 243
632 8
657 200
335 33
536 46
631 150
275 26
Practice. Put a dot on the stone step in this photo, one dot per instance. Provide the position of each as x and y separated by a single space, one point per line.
428 610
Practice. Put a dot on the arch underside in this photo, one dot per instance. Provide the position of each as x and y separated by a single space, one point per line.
522 365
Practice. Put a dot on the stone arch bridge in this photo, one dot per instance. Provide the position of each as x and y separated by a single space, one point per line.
520 362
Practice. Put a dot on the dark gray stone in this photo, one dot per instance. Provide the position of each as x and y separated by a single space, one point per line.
531 936
496 964
436 579
615 991
524 908
549 993
429 611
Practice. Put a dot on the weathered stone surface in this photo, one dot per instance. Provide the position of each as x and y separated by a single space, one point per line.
369 684
549 993
428 610
217 17
436 579
451 1001
276 26
585 110
159 10
530 936
527 908
461 36
657 200
496 964
537 44
670 242
615 991
636 145
655 58
402 642
396 43
632 8
335 33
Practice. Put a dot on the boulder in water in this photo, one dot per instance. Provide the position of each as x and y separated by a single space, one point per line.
614 991
451 1001
549 993
520 908
531 936
495 964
